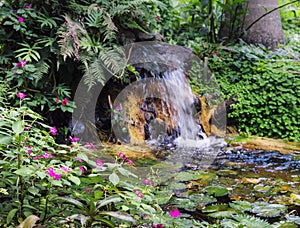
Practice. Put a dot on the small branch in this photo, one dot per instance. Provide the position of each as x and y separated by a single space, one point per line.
267 13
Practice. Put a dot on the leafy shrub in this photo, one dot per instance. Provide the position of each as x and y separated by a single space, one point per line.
265 88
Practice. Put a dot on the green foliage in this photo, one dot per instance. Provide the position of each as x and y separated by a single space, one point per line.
264 88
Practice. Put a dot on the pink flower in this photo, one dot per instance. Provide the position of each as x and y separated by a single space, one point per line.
78 159
90 146
89 190
53 130
130 162
64 102
73 139
21 64
20 19
138 193
118 107
57 176
122 155
99 162
53 174
82 169
21 95
66 170
157 17
28 7
215 53
46 155
56 100
27 128
148 182
157 226
174 213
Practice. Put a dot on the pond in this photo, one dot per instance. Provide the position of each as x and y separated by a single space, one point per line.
219 183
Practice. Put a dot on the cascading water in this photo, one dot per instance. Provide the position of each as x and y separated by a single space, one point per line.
176 93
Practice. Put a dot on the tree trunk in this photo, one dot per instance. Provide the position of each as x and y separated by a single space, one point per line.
268 30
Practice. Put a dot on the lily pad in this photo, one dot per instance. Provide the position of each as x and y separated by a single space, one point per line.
293 218
241 205
216 191
243 220
264 209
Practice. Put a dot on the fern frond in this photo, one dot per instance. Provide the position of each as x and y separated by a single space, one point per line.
94 73
113 59
42 68
69 38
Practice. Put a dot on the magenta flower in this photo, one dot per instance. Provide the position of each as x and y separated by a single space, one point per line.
27 128
157 226
118 107
57 176
138 193
28 7
21 64
56 100
82 169
53 130
65 169
215 53
64 102
157 17
20 19
122 155
89 190
90 146
73 139
99 162
21 95
78 159
130 162
148 182
174 213
53 174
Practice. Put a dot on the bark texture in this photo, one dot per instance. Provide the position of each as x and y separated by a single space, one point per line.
267 31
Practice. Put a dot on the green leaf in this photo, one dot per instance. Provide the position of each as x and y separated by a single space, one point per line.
119 215
70 201
264 209
83 157
40 174
17 127
5 139
74 179
108 200
33 190
216 190
241 205
24 171
114 178
11 215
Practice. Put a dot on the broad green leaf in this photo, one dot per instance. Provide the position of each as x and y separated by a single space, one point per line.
5 139
74 179
11 215
83 157
41 175
223 214
24 171
70 201
33 190
108 200
241 205
216 190
114 178
268 210
18 127
119 215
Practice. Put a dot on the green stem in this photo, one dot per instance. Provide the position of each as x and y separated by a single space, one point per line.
267 13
